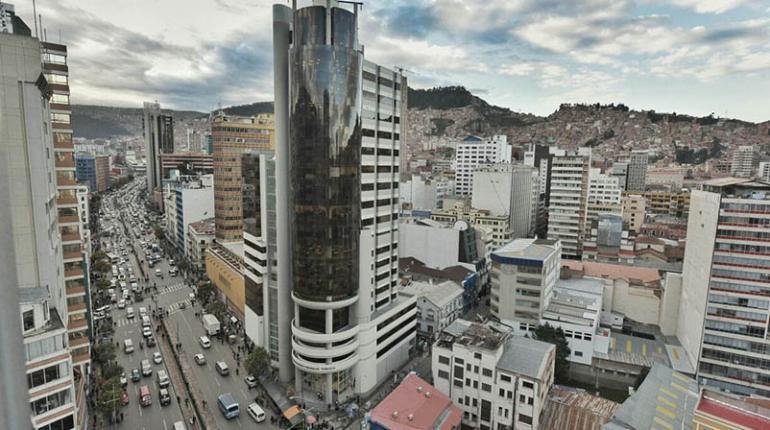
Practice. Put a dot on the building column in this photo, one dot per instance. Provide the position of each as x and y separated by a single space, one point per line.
328 396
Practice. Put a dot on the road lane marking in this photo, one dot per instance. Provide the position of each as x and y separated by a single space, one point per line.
164 425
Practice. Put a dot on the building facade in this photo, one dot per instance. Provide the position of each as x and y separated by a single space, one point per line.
724 306
337 161
568 205
158 131
438 305
474 151
604 196
507 190
232 135
199 237
636 179
498 380
744 162
45 263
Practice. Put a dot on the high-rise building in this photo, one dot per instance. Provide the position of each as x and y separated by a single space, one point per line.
93 170
620 171
232 135
744 162
636 179
44 249
726 283
506 189
604 196
764 171
474 151
568 206
338 136
158 139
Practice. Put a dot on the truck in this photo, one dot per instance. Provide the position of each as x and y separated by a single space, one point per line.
210 324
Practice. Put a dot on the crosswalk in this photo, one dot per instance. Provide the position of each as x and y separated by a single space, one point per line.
172 288
172 309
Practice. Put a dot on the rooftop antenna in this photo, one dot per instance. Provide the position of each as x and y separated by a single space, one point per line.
34 16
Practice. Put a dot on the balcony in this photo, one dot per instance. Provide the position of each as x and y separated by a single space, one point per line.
76 290
70 237
61 126
64 162
73 255
73 273
77 307
66 201
60 107
78 342
77 325
68 219
81 358
64 181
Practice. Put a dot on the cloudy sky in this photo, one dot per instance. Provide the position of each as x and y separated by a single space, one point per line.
687 56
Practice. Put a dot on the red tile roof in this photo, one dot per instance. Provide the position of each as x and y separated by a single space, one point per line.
613 271
415 398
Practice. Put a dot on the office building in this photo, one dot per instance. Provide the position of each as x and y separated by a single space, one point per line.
498 380
337 161
224 267
636 179
232 135
568 207
507 190
620 171
187 202
745 161
43 258
724 307
496 227
539 157
671 178
438 245
604 196
672 203
524 272
421 193
474 151
415 404
158 131
186 163
93 170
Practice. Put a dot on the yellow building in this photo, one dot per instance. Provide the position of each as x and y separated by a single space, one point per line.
224 265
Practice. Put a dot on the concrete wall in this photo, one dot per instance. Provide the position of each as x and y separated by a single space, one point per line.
701 235
669 305
436 247
637 303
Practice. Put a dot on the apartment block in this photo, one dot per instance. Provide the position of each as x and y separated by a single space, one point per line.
474 151
497 227
232 135
186 202
45 250
744 162
568 206
636 179
604 196
634 211
498 380
726 283
200 234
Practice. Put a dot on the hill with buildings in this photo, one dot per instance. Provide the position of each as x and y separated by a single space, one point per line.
105 122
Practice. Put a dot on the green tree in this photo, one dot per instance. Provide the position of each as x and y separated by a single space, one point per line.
102 266
109 397
257 361
218 309
103 284
555 335
104 352
97 256
111 369
205 291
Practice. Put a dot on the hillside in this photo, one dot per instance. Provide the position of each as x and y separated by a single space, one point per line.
104 122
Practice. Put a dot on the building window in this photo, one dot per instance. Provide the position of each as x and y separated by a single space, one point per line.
477 355
527 384
578 353
505 378
28 318
443 360
486 372
443 374
525 419
501 392
486 387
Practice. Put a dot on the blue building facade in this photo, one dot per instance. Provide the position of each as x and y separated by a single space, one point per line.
85 170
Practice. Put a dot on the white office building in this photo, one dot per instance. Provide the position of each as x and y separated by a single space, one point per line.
425 193
604 196
186 203
474 151
507 189
337 204
745 161
568 207
497 379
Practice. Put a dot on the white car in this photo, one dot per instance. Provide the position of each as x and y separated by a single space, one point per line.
146 332
205 342
251 381
157 358
122 304
142 311
200 359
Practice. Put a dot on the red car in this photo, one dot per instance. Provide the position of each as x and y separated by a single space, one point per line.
124 400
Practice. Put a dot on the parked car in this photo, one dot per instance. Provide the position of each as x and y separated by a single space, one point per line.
251 381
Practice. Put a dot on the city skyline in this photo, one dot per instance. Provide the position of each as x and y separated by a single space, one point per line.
694 57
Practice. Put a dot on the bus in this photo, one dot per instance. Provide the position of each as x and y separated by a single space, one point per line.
228 406
113 258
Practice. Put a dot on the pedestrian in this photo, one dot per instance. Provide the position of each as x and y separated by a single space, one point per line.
121 416
177 399
236 371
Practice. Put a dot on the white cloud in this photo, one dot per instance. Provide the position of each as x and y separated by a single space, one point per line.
711 6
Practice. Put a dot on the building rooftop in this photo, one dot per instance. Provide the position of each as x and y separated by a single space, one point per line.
666 399
206 226
411 265
439 294
575 409
33 295
631 274
415 404
525 356
732 410
525 252
575 301
472 335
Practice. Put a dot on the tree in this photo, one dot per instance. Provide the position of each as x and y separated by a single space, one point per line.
205 291
103 284
97 256
218 309
111 369
102 266
257 361
109 397
104 352
555 335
